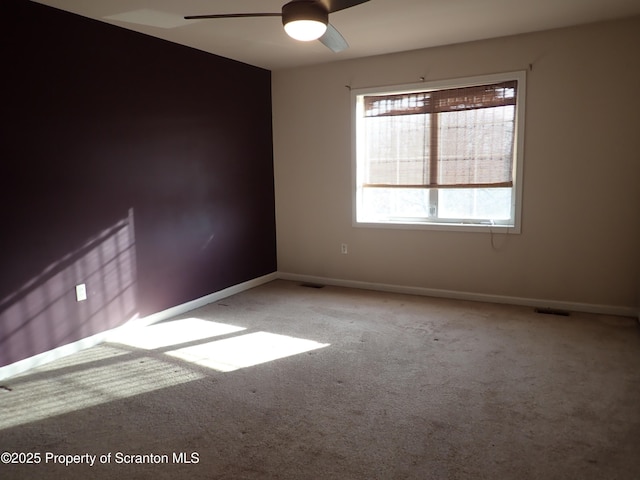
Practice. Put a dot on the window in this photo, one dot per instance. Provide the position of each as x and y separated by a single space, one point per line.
441 154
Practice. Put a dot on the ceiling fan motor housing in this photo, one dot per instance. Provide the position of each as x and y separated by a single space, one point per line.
304 10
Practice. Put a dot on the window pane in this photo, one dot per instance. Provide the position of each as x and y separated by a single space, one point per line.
385 203
397 150
475 203
453 204
476 146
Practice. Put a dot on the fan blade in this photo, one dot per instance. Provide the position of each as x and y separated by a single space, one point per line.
337 5
333 40
233 15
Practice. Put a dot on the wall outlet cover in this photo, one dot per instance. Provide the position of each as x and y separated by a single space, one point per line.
81 292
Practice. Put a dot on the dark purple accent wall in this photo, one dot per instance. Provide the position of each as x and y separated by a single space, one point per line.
106 131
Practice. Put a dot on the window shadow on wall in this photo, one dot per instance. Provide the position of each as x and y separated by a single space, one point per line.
44 313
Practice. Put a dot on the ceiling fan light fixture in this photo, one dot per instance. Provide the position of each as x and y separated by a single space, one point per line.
305 21
305 30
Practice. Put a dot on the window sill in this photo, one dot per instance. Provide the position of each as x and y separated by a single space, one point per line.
440 226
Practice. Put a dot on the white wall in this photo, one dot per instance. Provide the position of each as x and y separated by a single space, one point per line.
581 197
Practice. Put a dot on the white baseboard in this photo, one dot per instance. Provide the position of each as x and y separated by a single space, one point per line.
476 297
37 360
46 357
202 301
22 366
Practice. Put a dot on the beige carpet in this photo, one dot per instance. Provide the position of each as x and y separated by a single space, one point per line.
290 382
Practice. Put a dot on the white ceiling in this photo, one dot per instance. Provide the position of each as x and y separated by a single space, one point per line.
375 27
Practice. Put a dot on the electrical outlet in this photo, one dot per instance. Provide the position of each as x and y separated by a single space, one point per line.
344 249
81 292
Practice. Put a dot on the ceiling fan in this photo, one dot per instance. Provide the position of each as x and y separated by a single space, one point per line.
304 20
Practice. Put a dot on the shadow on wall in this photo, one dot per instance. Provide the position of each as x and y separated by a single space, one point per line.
44 313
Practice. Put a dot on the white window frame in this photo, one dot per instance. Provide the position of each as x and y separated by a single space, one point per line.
429 223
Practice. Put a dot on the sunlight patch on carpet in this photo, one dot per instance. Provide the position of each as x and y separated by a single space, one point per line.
165 334
245 350
138 360
36 397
